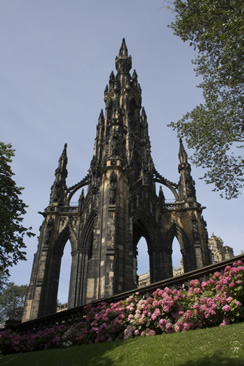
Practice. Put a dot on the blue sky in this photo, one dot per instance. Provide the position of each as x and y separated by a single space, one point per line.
56 58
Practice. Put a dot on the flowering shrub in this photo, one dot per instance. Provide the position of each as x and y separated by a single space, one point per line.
49 338
218 301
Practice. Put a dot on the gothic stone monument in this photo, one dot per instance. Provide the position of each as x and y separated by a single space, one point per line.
120 206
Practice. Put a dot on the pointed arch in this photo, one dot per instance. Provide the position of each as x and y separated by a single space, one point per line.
86 241
188 253
145 225
64 236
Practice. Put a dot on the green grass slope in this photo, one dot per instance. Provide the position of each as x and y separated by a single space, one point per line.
211 347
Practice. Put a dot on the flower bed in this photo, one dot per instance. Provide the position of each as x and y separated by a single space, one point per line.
218 301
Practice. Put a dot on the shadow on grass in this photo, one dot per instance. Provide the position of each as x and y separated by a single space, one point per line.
89 355
215 360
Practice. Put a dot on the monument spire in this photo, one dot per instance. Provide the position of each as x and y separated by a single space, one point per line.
119 205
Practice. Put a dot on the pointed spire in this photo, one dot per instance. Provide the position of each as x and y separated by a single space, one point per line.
123 61
100 124
81 201
182 154
143 114
111 77
58 189
63 159
134 78
101 116
123 52
186 183
111 80
161 196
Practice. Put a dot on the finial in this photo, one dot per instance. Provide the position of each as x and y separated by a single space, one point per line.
182 153
58 189
111 77
161 195
63 157
134 75
123 49
143 114
101 116
123 61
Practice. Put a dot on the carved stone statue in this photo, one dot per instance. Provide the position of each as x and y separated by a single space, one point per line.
113 188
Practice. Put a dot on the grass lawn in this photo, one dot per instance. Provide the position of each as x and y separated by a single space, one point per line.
206 347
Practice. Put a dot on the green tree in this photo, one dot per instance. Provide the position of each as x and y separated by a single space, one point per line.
12 302
3 281
12 209
215 129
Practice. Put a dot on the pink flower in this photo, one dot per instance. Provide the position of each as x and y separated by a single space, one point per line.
238 263
204 284
178 326
187 315
150 332
227 268
166 308
226 308
194 283
155 304
157 311
231 285
197 290
162 322
168 328
225 322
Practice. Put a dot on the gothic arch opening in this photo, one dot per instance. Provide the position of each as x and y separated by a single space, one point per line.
143 266
141 244
177 259
64 277
142 256
49 295
188 254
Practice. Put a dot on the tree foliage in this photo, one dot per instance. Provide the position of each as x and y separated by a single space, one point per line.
12 301
215 129
3 281
12 209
